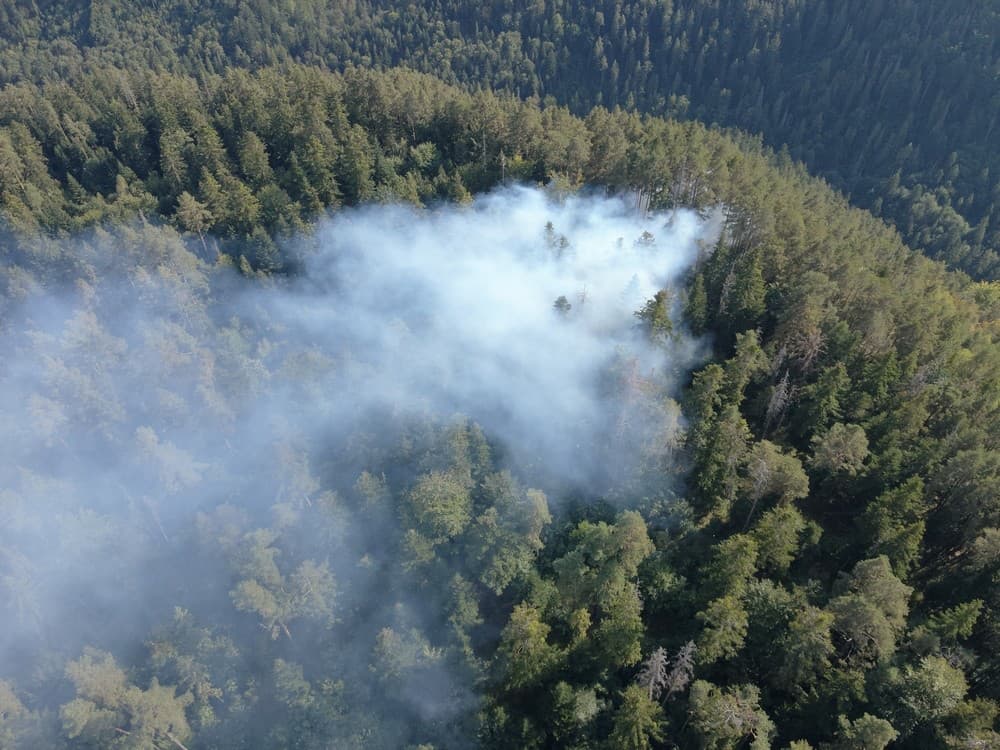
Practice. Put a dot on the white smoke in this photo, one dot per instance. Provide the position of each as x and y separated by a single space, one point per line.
153 387
453 310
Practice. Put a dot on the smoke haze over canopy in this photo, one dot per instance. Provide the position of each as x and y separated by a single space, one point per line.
452 310
154 389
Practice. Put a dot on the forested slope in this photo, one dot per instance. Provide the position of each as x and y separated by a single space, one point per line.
895 103
813 558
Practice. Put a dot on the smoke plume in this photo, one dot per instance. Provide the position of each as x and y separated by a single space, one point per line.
150 399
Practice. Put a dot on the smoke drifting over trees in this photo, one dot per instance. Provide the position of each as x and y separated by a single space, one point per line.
455 311
287 501
416 479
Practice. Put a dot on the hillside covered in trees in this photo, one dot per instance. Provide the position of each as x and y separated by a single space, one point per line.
895 103
785 532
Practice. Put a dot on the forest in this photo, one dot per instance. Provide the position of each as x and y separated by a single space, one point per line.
344 406
894 103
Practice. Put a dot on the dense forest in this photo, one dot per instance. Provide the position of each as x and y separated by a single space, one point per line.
778 526
895 103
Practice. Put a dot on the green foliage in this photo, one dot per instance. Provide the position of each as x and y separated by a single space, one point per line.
655 317
967 492
111 712
696 307
874 368
784 70
573 711
957 622
842 448
866 733
722 718
741 305
870 610
597 592
733 563
506 537
524 653
441 505
920 694
821 400
771 473
718 463
779 538
638 722
725 627
276 599
806 649
893 525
